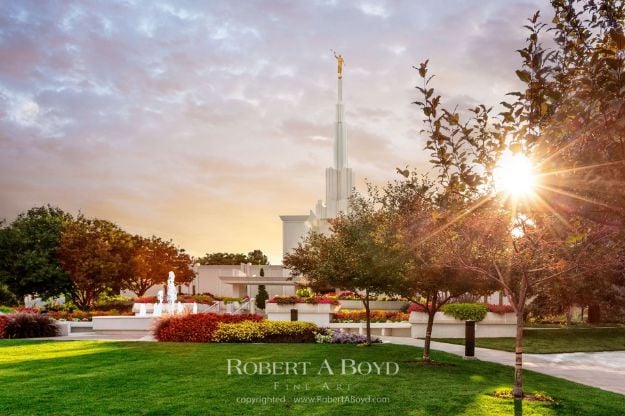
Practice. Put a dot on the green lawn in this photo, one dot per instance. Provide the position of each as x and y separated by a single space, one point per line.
544 341
133 378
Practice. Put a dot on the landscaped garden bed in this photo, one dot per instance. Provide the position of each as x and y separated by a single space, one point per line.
351 316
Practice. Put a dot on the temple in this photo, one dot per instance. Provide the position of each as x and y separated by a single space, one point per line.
338 187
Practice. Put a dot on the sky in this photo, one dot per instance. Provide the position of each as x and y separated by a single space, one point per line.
204 121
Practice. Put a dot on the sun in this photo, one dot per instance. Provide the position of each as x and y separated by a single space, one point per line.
515 175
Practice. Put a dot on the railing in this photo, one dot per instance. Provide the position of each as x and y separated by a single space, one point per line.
212 308
244 305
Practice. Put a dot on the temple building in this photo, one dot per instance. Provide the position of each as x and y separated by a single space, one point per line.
338 187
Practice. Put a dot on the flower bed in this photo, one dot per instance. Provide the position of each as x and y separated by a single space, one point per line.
84 316
336 336
376 316
195 328
266 331
313 300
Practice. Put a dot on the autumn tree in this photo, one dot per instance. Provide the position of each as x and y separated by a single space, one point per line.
417 221
95 254
354 256
151 261
568 123
28 253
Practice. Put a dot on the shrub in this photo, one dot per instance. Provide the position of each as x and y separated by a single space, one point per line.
376 316
304 293
261 297
6 309
4 321
115 305
292 300
85 316
500 308
266 331
29 325
24 309
466 311
202 299
195 328
146 299
415 307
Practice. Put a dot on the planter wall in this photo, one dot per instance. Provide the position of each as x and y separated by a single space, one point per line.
378 305
188 307
319 314
392 329
493 326
123 323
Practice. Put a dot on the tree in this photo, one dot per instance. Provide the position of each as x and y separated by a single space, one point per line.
28 253
261 297
427 279
95 255
257 257
354 256
570 121
151 261
254 257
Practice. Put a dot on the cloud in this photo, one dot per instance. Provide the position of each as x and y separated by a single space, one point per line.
204 123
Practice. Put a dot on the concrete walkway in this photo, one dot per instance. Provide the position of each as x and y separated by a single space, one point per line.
604 370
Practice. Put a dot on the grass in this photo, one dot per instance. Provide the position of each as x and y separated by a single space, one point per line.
545 341
134 378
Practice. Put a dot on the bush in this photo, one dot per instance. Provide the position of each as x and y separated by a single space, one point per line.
414 307
376 316
202 299
501 309
292 300
195 328
466 311
304 293
29 325
146 299
266 331
6 309
115 305
7 297
4 321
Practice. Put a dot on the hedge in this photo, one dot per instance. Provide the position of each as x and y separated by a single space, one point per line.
466 311
27 325
195 327
266 331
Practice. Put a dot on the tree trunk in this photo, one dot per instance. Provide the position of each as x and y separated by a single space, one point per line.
518 352
569 315
368 317
594 314
428 336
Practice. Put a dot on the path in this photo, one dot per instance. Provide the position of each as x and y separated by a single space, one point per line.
604 370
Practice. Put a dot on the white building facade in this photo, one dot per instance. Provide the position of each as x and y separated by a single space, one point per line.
339 185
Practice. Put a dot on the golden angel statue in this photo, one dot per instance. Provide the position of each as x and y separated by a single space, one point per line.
340 61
